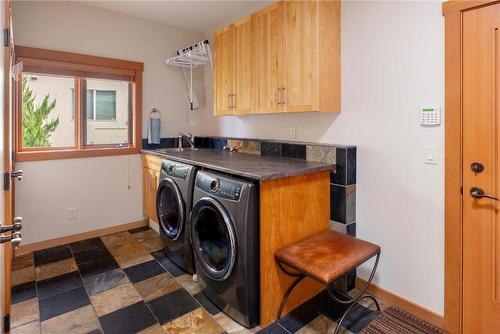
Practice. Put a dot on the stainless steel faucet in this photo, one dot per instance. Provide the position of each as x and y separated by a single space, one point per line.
188 137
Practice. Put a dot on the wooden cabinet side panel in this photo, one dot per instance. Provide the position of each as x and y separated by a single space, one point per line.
329 55
291 209
150 180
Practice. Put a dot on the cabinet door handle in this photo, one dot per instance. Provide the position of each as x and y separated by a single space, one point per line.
233 100
283 93
279 96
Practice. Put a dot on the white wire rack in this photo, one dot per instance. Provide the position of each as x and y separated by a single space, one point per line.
191 57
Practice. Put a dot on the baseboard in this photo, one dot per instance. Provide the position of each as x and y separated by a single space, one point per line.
392 299
24 249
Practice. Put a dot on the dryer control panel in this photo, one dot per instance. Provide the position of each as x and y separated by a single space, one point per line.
221 187
177 170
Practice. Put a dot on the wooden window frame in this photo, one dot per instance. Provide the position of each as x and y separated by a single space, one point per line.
80 67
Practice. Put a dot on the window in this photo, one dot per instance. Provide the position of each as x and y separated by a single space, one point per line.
74 106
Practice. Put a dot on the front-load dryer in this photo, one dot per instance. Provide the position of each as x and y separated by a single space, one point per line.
174 198
225 237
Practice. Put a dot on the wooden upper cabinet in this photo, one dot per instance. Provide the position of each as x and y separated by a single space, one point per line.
268 55
286 59
243 67
224 71
300 61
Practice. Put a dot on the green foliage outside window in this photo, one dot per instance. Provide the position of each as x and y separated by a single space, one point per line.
37 128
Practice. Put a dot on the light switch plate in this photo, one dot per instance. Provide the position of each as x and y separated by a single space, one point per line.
430 155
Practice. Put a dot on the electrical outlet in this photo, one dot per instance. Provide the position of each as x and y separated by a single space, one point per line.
72 214
293 132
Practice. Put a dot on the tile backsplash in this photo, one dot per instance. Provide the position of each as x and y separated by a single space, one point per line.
342 182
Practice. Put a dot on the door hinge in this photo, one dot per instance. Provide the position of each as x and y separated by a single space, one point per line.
6 37
6 181
6 323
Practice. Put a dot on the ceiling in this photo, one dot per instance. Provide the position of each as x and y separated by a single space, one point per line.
199 16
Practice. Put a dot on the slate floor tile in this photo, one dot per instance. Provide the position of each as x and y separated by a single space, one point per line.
206 303
168 307
23 275
29 328
319 325
104 281
24 312
358 319
55 269
143 271
131 319
115 299
156 286
150 240
62 303
22 292
91 254
79 321
155 329
58 284
299 317
273 328
229 325
85 245
167 264
50 255
22 261
97 266
197 321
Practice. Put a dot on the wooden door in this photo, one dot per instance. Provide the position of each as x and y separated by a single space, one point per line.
224 71
7 164
481 145
243 75
268 41
300 61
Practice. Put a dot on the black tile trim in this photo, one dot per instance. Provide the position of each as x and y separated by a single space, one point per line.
173 305
51 255
59 284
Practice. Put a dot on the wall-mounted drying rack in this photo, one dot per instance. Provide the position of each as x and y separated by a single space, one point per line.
188 58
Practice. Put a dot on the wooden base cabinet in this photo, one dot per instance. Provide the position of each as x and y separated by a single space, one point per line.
294 61
291 209
150 180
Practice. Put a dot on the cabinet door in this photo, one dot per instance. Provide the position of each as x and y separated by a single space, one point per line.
300 87
268 41
146 193
224 71
155 180
243 65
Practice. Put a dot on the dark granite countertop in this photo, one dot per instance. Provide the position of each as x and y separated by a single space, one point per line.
251 166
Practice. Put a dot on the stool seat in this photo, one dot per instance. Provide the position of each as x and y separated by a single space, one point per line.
327 255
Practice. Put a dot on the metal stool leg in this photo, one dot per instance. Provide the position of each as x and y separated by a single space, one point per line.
298 277
354 301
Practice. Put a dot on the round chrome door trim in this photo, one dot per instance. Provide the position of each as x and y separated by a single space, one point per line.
232 240
180 204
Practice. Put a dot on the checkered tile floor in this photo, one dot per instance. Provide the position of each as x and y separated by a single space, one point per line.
123 283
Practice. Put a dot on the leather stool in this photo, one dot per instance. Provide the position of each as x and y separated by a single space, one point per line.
325 257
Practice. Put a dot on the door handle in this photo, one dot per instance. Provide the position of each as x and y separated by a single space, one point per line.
478 193
17 174
17 226
14 238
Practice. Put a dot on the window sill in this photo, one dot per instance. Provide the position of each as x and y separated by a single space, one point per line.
74 153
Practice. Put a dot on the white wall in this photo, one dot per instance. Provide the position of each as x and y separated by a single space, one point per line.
392 63
98 187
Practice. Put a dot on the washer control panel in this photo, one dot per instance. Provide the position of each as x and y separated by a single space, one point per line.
176 170
221 187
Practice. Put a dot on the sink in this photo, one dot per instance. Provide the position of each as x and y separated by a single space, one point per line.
176 149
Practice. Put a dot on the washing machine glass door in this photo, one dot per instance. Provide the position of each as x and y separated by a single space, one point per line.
170 209
213 237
